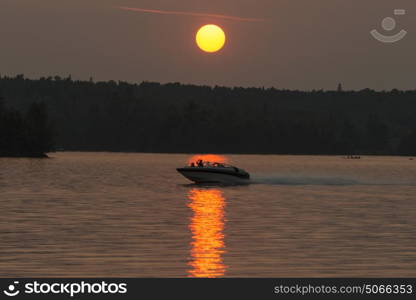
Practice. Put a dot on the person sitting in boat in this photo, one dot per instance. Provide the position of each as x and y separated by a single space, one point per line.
200 163
192 165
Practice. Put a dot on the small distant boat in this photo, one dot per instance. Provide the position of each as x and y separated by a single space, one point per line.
207 172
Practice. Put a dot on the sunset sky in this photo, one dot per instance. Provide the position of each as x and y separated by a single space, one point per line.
294 44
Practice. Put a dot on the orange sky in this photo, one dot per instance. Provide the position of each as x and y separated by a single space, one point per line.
303 44
191 14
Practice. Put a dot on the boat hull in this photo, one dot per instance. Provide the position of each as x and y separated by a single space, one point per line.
199 176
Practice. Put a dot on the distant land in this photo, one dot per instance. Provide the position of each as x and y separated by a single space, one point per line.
178 118
27 134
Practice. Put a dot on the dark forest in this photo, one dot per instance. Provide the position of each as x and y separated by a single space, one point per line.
28 134
178 118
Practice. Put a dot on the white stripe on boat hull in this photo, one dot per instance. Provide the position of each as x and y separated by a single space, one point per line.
206 177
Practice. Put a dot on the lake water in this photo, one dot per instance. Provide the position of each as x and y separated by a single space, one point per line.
133 215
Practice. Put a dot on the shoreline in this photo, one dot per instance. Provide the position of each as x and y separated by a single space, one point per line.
226 153
44 155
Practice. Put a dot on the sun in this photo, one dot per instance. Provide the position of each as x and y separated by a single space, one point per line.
210 38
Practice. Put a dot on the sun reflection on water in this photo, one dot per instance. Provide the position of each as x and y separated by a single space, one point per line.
207 226
208 157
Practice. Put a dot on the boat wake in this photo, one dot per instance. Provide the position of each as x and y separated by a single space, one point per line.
321 180
300 180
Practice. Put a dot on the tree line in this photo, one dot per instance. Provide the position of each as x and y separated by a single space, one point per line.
179 118
25 134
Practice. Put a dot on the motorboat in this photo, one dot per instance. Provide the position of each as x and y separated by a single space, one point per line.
207 172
